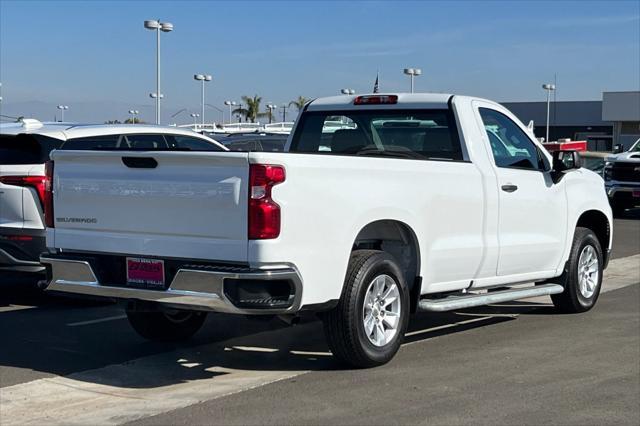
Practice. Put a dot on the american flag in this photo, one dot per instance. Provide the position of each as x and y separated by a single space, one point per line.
376 85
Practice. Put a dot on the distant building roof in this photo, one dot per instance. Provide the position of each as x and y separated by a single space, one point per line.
564 113
621 106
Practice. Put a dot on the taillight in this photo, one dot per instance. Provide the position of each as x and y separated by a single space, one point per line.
48 195
375 100
264 213
35 182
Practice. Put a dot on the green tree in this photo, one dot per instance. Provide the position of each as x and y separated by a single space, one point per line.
252 110
300 102
133 121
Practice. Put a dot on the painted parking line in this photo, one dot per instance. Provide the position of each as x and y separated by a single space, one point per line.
160 383
96 321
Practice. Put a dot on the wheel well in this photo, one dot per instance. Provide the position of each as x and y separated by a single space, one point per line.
599 224
395 238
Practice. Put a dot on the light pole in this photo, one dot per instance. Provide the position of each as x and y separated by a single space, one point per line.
347 91
195 117
284 112
271 107
412 72
62 109
158 26
133 113
230 104
157 98
549 88
203 78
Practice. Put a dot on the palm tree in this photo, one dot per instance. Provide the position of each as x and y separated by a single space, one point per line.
252 111
299 103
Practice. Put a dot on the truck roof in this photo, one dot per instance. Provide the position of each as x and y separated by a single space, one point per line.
405 100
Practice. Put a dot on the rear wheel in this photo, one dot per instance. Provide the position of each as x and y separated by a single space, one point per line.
166 325
582 279
368 325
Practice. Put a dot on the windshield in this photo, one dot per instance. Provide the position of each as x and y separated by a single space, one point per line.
418 134
635 147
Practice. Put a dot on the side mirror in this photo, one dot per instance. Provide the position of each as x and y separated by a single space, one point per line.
566 160
618 148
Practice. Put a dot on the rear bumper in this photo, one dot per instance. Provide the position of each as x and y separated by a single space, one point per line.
20 249
196 289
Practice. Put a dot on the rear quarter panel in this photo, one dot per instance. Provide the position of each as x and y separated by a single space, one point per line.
327 199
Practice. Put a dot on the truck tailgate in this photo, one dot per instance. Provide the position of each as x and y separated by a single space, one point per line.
189 205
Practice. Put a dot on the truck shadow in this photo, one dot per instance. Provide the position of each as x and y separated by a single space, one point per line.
45 341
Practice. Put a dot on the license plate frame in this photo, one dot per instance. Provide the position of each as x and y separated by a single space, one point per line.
145 272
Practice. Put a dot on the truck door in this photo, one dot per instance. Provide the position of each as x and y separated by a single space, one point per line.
532 208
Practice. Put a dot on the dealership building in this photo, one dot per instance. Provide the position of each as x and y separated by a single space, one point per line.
612 120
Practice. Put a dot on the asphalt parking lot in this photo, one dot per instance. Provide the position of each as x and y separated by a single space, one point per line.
65 361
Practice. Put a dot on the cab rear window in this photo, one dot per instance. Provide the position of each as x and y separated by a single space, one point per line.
415 134
140 142
26 149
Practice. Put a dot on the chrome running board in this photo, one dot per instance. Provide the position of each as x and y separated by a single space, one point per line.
455 302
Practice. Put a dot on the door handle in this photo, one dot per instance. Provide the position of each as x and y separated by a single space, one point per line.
509 187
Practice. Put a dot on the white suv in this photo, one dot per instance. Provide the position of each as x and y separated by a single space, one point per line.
24 150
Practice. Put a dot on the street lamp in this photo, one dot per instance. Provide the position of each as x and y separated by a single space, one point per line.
133 113
347 91
230 104
62 109
284 112
203 78
412 72
549 88
195 116
158 26
271 108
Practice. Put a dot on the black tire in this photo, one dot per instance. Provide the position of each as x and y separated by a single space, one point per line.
572 300
344 325
166 326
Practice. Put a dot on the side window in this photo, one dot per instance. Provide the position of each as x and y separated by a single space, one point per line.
511 147
146 142
107 142
192 144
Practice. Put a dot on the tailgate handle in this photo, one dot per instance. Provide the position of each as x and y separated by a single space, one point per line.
140 162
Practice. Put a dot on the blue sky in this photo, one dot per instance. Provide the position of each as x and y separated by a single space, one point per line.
96 57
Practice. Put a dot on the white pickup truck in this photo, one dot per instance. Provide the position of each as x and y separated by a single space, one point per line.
383 205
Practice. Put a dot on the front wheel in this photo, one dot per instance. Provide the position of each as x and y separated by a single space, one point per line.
368 325
582 279
167 326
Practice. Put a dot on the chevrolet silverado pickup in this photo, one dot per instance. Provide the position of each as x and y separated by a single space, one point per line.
382 205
